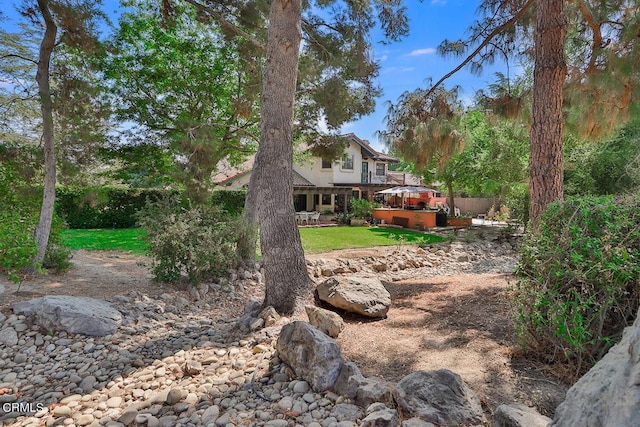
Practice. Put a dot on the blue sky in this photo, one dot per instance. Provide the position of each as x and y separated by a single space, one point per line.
406 65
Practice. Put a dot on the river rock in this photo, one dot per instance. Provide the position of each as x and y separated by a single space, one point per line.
76 315
8 336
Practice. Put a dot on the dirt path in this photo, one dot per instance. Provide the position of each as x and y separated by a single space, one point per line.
461 323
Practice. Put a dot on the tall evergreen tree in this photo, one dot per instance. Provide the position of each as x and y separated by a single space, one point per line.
595 68
334 59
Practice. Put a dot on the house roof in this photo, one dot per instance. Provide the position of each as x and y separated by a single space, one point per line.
368 151
226 172
301 181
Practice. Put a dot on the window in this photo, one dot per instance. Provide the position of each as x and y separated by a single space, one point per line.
326 163
380 169
347 161
326 199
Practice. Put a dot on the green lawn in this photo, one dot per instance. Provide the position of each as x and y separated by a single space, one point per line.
324 239
314 240
121 239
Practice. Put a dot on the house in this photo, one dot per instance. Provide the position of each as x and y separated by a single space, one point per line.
324 184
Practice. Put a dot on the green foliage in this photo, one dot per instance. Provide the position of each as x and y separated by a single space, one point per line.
185 87
362 208
199 242
229 201
17 242
58 256
424 127
344 218
579 280
517 200
102 207
19 210
610 166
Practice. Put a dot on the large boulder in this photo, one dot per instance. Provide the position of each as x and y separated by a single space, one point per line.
75 315
518 415
327 321
609 394
440 397
364 390
362 295
313 355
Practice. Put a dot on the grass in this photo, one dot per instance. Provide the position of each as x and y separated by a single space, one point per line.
324 239
120 239
314 240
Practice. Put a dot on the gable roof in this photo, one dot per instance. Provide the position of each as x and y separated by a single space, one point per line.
226 172
368 151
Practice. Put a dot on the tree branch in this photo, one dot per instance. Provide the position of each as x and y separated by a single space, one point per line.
597 35
227 25
486 41
24 58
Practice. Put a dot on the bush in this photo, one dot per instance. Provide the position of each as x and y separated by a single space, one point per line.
17 243
362 208
579 280
231 201
103 207
199 243
19 214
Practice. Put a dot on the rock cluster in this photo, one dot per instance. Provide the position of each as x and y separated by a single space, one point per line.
170 363
398 263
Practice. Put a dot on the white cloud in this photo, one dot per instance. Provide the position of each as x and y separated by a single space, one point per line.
388 70
420 52
383 58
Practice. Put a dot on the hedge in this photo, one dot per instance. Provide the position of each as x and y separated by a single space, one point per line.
115 207
103 207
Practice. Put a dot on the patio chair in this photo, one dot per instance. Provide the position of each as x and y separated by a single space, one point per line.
315 217
302 217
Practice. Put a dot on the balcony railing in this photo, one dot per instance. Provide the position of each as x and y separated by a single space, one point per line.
375 179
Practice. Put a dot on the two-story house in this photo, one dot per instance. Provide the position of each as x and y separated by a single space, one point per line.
324 184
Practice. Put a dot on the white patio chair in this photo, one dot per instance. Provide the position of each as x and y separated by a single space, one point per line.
303 217
315 217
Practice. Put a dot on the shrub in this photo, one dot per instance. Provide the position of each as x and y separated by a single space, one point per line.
362 208
579 280
231 201
17 243
18 246
199 242
19 214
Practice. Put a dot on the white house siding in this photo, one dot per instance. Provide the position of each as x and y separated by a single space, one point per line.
313 172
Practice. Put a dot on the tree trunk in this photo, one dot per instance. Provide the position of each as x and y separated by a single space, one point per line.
546 162
46 106
271 184
452 202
